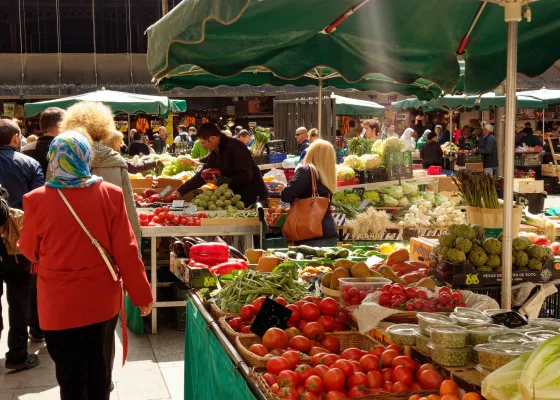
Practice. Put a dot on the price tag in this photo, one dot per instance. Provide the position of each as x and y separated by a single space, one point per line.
510 319
271 314
190 209
178 204
359 191
165 191
209 281
371 261
363 205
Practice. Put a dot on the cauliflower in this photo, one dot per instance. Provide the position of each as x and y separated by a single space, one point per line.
352 199
478 257
354 162
521 243
409 188
440 199
372 196
428 196
395 192
492 246
344 173
520 259
392 145
462 231
463 244
534 264
494 261
371 161
403 201
455 256
479 230
536 251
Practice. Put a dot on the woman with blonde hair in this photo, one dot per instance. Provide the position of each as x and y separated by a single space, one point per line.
313 135
320 158
97 121
116 141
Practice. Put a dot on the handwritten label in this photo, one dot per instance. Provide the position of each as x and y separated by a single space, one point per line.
359 191
178 204
165 191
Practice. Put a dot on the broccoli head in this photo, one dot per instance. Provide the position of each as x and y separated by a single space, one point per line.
536 251
520 259
447 240
463 244
464 231
455 256
479 230
493 261
492 246
521 243
534 264
478 257
485 269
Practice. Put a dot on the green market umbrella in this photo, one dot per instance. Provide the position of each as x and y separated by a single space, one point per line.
119 102
410 104
355 107
550 97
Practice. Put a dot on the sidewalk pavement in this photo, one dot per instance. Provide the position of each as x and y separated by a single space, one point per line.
153 371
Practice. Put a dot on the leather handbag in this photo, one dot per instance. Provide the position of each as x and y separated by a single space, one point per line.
305 218
107 258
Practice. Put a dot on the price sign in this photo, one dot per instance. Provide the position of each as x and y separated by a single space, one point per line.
178 204
271 315
166 191
510 319
359 191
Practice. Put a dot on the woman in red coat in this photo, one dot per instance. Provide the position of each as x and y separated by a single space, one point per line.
78 300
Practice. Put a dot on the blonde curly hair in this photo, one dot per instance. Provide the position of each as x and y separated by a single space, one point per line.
95 118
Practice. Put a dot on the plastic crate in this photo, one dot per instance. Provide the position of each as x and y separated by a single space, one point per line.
277 157
378 174
180 293
399 165
434 170
276 146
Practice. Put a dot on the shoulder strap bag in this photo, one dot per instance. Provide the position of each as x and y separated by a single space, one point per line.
107 258
305 218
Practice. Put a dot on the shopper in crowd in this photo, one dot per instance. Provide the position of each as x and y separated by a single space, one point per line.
137 147
313 135
236 133
466 142
96 121
423 140
237 167
79 302
391 132
530 139
228 133
321 158
115 141
408 140
49 121
198 151
192 133
146 140
372 128
183 136
431 153
456 133
487 146
302 140
444 136
244 137
419 126
31 139
160 145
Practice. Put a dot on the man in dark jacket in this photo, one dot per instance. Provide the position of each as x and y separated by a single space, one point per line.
138 146
489 150
302 140
50 128
431 153
236 165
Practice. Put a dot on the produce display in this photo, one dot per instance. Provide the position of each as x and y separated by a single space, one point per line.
162 216
222 198
449 336
449 357
417 299
261 137
478 190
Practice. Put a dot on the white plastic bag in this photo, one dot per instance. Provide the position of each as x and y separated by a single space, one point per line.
277 174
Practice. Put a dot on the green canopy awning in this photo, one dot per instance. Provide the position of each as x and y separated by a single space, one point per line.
119 102
381 36
550 97
356 107
409 104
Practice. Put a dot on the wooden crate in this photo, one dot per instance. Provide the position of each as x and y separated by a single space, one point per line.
550 170
143 183
229 221
528 185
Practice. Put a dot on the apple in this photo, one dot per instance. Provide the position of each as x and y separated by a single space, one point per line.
542 241
532 236
555 248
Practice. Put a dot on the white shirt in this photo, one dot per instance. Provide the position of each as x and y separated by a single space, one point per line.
178 138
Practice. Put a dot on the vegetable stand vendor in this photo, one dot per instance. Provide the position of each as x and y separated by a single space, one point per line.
229 162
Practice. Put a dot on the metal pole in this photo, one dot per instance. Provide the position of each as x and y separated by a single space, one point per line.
320 102
543 122
499 133
128 128
512 16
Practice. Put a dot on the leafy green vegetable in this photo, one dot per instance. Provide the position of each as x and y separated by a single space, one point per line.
540 377
395 192
372 196
502 383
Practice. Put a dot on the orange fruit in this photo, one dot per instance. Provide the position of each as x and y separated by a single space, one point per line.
450 397
434 397
414 397
472 396
449 387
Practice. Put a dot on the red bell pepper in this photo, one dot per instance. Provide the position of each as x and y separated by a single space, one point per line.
228 267
194 264
209 253
207 173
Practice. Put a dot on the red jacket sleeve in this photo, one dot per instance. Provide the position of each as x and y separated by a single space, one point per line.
28 240
125 252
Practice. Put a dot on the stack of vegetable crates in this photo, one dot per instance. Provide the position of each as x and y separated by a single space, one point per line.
399 165
528 159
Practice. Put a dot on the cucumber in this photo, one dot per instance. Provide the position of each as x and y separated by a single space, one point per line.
291 254
307 250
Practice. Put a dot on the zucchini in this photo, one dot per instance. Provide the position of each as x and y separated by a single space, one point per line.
291 254
307 250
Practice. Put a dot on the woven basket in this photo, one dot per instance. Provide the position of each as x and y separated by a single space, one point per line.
229 332
217 313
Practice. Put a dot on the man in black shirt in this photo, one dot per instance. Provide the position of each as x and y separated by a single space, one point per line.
137 147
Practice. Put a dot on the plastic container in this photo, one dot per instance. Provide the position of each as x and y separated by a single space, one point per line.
483 372
425 320
494 355
481 334
403 334
422 342
552 324
509 337
363 286
493 311
470 319
449 336
474 355
449 357
542 335
528 328
464 311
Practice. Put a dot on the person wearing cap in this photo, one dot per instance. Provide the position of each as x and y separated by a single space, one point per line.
489 150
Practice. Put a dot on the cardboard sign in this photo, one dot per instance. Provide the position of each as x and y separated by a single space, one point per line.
178 204
166 191
271 315
510 319
359 191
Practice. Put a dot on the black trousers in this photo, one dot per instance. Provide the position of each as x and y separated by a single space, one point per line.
17 279
84 359
34 328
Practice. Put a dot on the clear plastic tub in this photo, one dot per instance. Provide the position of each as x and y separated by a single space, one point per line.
542 335
403 334
470 320
493 311
354 290
449 336
468 312
552 324
481 334
474 355
528 328
494 355
425 320
509 337
483 372
449 357
422 342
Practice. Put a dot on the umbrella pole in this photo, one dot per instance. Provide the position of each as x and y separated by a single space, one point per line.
543 121
320 105
128 127
512 15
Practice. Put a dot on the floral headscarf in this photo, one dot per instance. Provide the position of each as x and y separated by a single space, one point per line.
70 160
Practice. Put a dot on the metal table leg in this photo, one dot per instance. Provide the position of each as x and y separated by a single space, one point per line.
153 282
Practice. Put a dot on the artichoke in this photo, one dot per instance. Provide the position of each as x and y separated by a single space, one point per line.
494 261
479 230
521 243
520 259
536 251
455 256
485 269
534 264
447 240
478 257
464 231
463 244
492 246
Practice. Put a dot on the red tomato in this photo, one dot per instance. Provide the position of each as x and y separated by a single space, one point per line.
275 388
331 343
303 371
335 395
357 391
430 379
276 352
170 216
400 387
327 322
357 379
410 293
235 323
394 347
275 365
386 288
296 316
313 384
345 366
288 393
247 312
329 359
444 289
374 380
385 298
404 360
157 211
270 379
328 306
281 301
387 386
288 379
293 358
396 289
369 362
307 395
292 332
320 370
245 329
258 349
317 350
416 387
402 374
334 379
197 222
387 374
456 296
316 300
313 330
341 317
258 303
300 343
310 311
351 354
184 221
301 324
421 294
275 338
316 358
377 351
387 357
422 368
356 366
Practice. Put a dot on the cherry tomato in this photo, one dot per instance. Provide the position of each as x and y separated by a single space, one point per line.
314 384
334 379
444 289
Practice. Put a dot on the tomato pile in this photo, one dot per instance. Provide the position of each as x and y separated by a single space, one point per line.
417 299
163 217
355 373
448 390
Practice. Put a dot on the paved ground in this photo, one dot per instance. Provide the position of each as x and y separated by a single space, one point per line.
154 369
